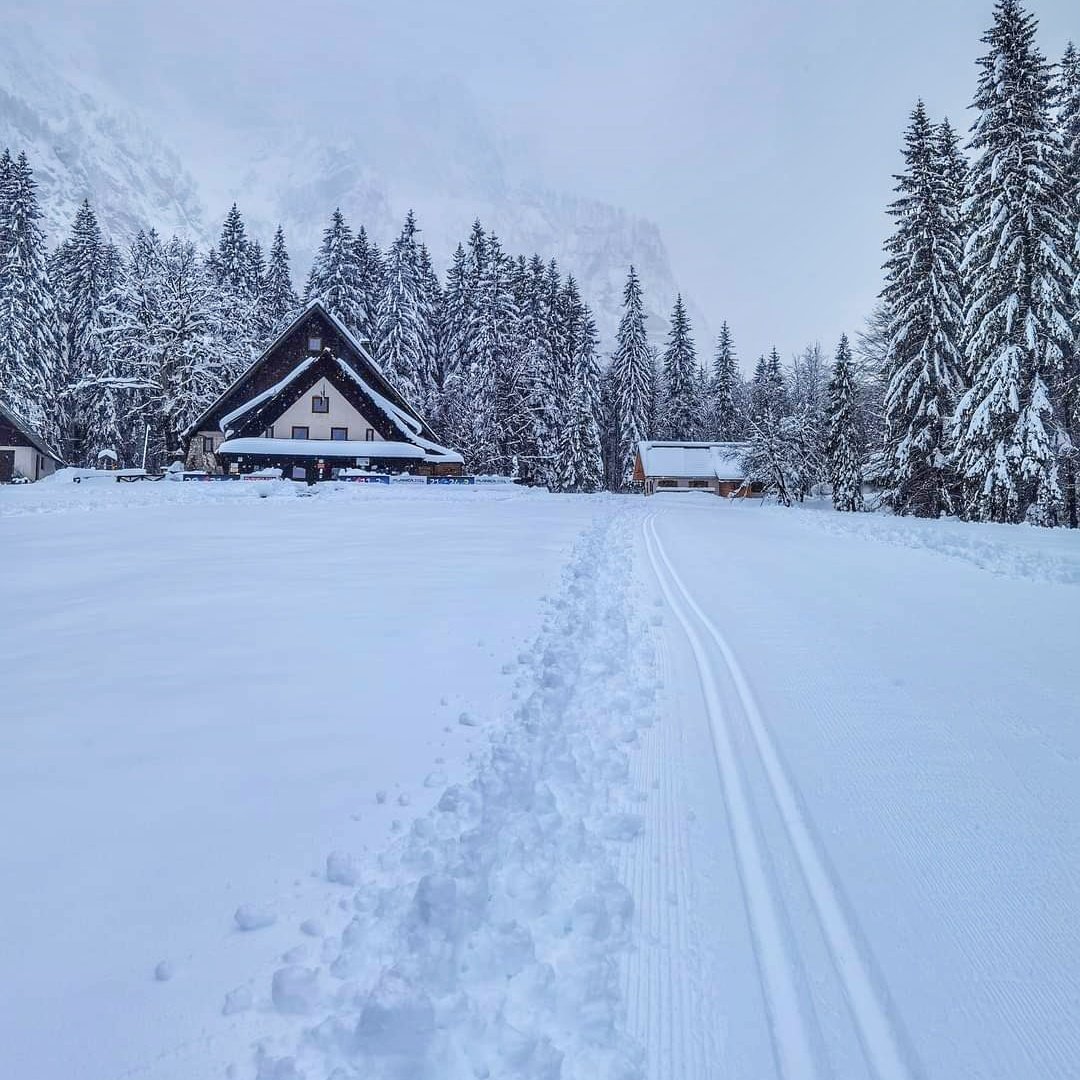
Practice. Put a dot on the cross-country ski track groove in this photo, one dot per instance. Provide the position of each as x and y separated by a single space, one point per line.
797 918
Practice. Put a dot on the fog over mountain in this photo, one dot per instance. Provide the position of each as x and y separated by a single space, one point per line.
741 154
424 147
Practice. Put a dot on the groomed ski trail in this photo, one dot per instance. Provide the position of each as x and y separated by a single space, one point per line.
757 795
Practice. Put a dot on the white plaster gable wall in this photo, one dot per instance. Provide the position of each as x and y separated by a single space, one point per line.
341 414
30 463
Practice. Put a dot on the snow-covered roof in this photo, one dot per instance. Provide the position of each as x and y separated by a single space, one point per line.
328 448
269 392
693 460
31 436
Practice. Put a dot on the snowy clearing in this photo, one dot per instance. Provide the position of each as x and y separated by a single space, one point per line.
419 783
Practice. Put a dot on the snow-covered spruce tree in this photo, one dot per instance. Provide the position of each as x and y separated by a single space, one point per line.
278 302
1069 119
632 374
81 269
843 442
579 464
103 398
781 455
430 306
448 378
806 396
30 352
537 296
1018 272
768 390
166 338
334 279
231 261
400 331
491 363
724 422
679 415
370 272
925 304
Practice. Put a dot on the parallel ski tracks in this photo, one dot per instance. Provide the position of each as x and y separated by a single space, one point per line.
736 721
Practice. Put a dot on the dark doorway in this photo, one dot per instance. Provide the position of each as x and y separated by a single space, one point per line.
7 466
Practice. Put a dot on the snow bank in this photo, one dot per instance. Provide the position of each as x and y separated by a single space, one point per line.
1023 552
486 943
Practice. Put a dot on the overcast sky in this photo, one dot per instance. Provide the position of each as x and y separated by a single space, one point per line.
761 136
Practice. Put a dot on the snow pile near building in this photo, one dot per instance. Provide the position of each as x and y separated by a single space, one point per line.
486 944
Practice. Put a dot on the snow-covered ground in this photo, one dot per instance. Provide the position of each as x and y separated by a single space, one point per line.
409 783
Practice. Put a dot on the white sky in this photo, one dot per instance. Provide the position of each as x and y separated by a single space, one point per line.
760 136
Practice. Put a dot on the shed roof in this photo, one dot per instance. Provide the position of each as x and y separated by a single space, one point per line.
29 434
693 460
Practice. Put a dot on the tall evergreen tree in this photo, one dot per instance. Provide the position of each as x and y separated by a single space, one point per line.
370 273
81 270
632 374
399 336
923 296
579 465
334 278
104 401
724 422
278 301
1018 271
844 442
29 322
1070 381
680 408
233 263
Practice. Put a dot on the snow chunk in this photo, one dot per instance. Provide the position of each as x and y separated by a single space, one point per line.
342 868
295 989
252 917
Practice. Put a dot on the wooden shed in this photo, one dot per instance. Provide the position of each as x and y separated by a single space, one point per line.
24 454
714 467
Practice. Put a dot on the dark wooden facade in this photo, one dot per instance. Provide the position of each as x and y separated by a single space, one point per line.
283 356
318 337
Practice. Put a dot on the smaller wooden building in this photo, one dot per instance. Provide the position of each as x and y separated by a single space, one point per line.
714 467
24 454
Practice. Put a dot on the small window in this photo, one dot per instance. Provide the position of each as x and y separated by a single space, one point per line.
369 435
339 434
667 483
700 484
320 404
269 433
208 444
299 432
314 344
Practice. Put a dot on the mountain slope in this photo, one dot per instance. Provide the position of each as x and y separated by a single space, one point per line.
411 148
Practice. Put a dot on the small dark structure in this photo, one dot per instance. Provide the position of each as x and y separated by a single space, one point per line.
24 454
313 404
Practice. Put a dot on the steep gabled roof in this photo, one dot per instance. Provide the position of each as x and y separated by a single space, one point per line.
29 434
359 361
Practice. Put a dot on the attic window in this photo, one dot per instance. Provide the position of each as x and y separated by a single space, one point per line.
314 344
320 403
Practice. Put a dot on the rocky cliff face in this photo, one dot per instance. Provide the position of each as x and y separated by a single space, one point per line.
430 152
